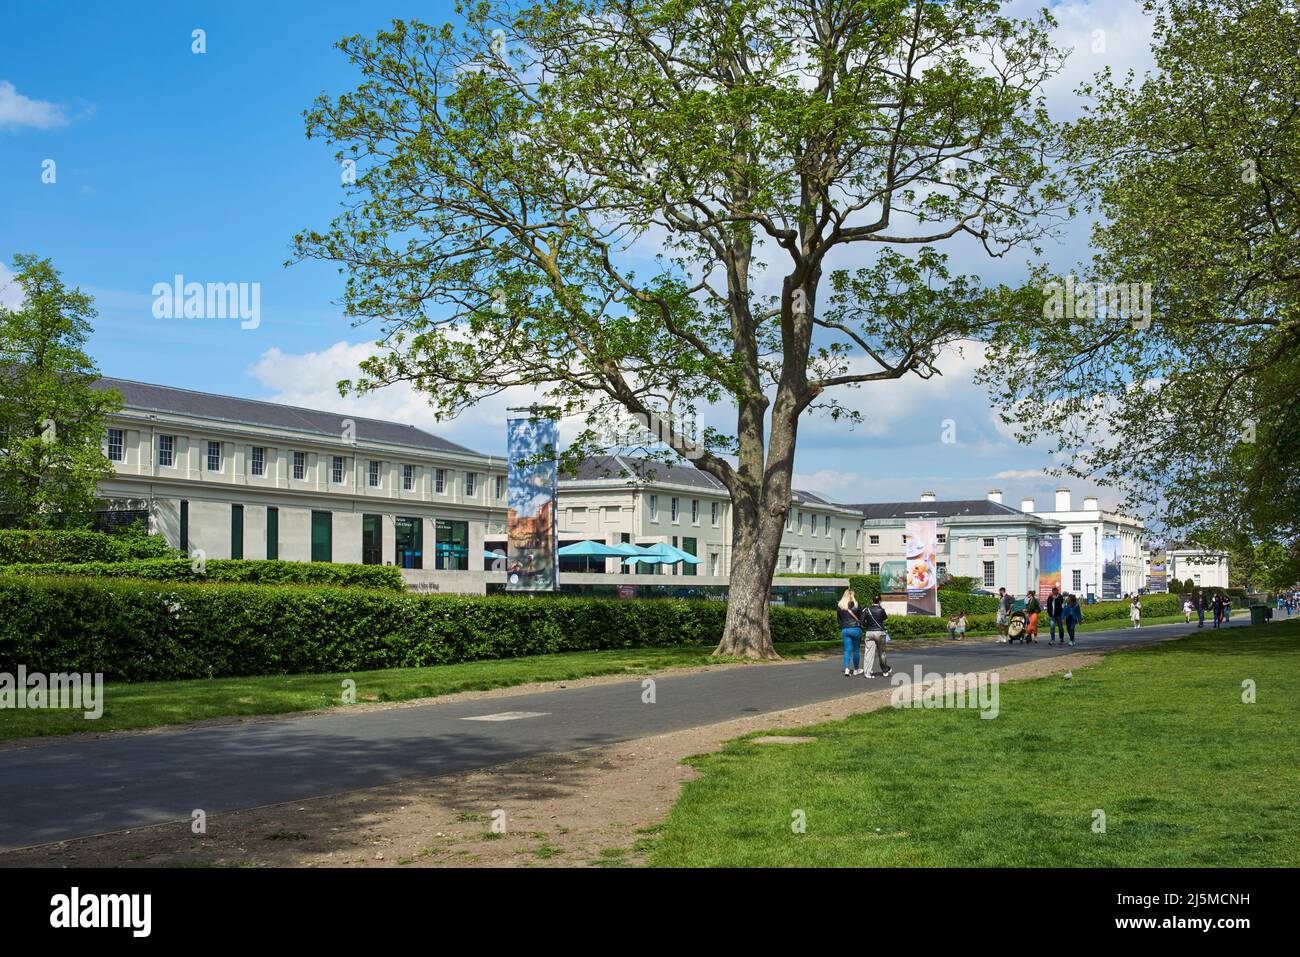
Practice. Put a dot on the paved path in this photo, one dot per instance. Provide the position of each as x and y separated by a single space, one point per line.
79 788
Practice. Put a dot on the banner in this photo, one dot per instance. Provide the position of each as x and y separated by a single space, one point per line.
1158 578
1049 567
531 561
1110 568
922 567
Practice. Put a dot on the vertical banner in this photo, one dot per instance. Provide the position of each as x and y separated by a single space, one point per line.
1158 579
531 562
922 567
1110 568
1049 567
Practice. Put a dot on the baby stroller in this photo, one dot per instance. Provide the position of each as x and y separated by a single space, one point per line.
1017 623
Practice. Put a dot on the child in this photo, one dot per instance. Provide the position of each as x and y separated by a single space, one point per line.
1187 610
961 626
952 627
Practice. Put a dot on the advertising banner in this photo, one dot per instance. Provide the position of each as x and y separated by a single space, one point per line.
922 567
531 561
1110 568
1158 579
1049 567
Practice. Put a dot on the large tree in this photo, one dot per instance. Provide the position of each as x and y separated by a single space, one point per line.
1194 411
52 420
653 207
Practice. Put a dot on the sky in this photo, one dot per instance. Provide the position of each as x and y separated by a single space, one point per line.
169 162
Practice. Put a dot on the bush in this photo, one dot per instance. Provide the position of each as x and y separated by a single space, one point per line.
251 571
19 546
864 586
145 631
953 602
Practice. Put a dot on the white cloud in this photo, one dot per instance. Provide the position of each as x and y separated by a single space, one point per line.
11 294
17 110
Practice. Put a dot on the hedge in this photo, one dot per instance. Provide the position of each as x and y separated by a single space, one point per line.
19 546
250 571
145 631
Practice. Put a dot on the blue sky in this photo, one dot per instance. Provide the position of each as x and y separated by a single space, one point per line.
173 162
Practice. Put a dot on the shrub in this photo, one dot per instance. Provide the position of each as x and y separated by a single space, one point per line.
864 586
76 547
251 571
146 631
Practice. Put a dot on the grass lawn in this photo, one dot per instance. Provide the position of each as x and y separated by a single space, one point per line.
150 704
1158 739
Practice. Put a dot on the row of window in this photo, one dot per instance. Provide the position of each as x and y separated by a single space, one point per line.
715 510
825 567
214 462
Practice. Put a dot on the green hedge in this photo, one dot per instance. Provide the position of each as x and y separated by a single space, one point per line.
250 571
18 546
145 631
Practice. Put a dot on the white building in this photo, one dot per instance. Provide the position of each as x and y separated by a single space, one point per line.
1083 534
1208 569
984 539
239 478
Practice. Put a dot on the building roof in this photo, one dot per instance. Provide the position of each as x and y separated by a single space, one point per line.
936 509
635 468
141 396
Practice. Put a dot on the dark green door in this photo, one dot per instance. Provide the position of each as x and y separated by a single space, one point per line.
372 540
272 533
236 531
322 537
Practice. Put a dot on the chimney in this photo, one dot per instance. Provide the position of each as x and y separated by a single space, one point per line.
1090 504
1026 505
1062 500
927 496
995 495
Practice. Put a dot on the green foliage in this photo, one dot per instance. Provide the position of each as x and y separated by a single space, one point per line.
959 583
146 631
51 419
955 602
75 546
249 571
864 586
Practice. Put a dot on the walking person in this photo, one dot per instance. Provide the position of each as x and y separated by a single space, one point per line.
1187 610
1227 610
1073 615
1200 609
1032 609
1055 608
1218 609
1004 614
851 631
1135 611
873 632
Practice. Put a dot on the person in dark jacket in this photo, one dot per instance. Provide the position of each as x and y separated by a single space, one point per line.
850 631
873 630
1073 616
1055 609
1200 609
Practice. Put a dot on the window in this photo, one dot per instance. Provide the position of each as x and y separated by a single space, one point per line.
942 539
943 569
1076 580
336 470
185 527
236 531
409 542
674 504
372 539
988 543
873 568
259 460
272 533
440 481
653 503
812 524
374 474
501 486
799 524
826 526
214 456
471 478
814 566
695 514
322 537
408 477
1076 543
691 547
789 521
842 567
299 466
713 513
451 545
787 561
843 533
167 451
989 575
873 540
713 564
115 445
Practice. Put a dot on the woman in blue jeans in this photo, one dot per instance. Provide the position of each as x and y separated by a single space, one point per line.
851 632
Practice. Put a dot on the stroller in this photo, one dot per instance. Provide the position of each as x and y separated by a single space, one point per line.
1017 624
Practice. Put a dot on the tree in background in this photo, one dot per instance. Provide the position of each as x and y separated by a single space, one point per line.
649 208
1194 415
52 421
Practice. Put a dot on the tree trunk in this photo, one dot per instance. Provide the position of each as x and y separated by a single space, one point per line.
755 545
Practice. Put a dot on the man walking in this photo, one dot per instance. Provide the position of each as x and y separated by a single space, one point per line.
1004 613
1055 609
1200 609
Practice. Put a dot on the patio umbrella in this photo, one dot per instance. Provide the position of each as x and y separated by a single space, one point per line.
589 549
672 555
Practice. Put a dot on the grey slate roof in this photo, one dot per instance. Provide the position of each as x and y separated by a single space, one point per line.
141 396
938 509
626 467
